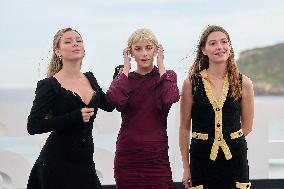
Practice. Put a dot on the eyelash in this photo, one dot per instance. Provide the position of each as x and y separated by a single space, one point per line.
148 48
224 42
79 41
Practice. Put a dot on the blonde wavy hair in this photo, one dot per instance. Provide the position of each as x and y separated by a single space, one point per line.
201 62
55 64
142 34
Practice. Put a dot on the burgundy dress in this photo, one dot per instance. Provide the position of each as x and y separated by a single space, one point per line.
141 158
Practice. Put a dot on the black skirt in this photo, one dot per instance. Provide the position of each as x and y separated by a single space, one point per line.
221 173
56 174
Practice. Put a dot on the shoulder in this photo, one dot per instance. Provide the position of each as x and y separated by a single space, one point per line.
45 83
48 86
93 80
187 84
247 87
171 73
187 81
91 77
246 82
90 74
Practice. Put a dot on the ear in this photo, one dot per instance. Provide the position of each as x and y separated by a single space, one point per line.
57 52
131 53
203 51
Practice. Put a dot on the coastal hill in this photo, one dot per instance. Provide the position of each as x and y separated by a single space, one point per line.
265 67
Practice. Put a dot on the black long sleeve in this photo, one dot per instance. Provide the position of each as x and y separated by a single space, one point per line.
39 122
104 105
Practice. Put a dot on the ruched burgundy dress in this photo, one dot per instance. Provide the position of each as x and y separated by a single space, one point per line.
141 158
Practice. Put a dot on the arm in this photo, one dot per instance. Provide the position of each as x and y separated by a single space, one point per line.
167 85
185 127
160 60
44 99
118 92
247 105
104 105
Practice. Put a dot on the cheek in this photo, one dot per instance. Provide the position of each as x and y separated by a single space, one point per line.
153 53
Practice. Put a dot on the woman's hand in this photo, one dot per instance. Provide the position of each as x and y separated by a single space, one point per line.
87 113
186 179
127 59
160 60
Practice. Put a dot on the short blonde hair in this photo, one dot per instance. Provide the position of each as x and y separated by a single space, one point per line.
142 34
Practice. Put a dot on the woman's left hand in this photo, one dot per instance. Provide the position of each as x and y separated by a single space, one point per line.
160 60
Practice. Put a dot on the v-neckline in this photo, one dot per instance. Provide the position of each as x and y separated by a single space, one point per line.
209 90
75 94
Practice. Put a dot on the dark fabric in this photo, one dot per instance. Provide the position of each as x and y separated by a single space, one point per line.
141 159
220 173
68 151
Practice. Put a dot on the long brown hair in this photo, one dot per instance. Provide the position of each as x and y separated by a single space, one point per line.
55 64
201 62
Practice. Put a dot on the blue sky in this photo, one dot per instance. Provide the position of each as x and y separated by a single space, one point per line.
27 28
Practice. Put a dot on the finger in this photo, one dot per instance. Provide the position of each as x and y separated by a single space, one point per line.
86 120
126 51
89 110
185 185
83 110
86 110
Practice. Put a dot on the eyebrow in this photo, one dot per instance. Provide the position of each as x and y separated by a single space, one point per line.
72 38
145 45
217 40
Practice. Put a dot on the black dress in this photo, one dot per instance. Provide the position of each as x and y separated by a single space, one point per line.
218 150
66 160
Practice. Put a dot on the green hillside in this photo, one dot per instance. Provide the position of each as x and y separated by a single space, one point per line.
265 67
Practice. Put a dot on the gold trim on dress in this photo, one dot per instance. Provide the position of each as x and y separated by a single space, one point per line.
217 107
199 136
243 185
237 134
197 187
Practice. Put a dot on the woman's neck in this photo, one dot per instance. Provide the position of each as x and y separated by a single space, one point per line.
217 70
143 71
71 70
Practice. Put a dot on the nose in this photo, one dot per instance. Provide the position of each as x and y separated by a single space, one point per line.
219 46
75 44
145 53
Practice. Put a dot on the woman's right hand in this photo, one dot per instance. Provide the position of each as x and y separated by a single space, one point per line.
186 179
87 113
127 59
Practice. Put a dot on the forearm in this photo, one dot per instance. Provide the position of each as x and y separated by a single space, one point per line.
168 88
118 92
162 70
184 147
246 127
39 125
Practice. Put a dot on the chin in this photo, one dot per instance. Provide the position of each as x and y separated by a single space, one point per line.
220 61
145 65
